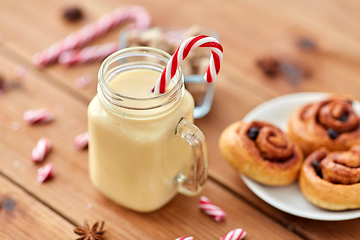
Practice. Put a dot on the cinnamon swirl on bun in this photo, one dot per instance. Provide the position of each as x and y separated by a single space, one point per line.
331 180
262 152
330 123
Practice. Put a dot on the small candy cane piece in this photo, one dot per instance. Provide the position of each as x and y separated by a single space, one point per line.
88 54
81 141
236 234
46 172
41 149
210 209
37 116
183 51
185 238
93 31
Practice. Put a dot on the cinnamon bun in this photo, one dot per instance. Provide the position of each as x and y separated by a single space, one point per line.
261 152
330 123
331 180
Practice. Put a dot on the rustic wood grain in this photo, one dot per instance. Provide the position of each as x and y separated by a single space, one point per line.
70 191
23 217
248 30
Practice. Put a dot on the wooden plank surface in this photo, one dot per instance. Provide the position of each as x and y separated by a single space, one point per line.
23 217
249 29
70 192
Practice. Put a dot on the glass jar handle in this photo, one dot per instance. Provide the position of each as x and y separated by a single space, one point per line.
193 183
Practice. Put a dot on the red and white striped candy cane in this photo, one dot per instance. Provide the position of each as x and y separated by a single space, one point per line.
41 149
38 116
183 51
185 238
236 234
210 209
46 172
88 54
93 31
81 141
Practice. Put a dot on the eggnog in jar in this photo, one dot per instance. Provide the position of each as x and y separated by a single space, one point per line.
143 147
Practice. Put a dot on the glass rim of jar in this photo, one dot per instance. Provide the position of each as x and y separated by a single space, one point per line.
115 57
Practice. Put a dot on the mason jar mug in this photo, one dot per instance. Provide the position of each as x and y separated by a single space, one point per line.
144 147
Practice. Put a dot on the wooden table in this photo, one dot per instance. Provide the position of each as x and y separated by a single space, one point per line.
248 30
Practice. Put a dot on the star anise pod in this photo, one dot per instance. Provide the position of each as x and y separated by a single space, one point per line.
87 233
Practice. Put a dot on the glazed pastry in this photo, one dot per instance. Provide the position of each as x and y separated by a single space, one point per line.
331 180
330 123
261 152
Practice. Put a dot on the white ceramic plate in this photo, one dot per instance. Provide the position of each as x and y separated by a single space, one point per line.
290 199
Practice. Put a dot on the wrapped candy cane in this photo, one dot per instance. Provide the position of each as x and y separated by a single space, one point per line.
185 238
88 54
210 209
182 52
236 234
38 116
93 31
81 141
40 151
46 172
